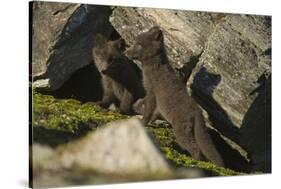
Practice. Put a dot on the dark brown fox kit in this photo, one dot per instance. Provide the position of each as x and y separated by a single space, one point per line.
121 79
166 94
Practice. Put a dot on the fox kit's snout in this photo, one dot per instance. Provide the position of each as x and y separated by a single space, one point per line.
131 52
107 53
140 50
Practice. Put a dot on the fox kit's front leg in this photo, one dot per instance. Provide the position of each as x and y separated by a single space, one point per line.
149 108
126 102
108 96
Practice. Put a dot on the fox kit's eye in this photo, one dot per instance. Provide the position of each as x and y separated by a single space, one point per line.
121 45
111 59
139 47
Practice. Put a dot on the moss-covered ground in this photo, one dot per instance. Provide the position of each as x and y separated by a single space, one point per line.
57 121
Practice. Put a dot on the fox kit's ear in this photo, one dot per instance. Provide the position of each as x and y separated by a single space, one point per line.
157 33
100 40
121 44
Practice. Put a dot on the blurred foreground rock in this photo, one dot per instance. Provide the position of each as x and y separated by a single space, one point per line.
118 151
119 147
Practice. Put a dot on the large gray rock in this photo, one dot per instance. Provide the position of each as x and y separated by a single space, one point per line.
48 20
119 151
62 39
235 51
238 51
185 31
121 147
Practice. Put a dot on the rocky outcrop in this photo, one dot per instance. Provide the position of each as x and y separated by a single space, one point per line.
48 20
239 52
185 31
233 46
62 39
236 51
226 54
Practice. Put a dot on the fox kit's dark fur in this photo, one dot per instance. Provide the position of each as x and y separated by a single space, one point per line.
166 94
121 81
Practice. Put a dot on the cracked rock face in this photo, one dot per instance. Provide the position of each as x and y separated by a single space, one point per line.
62 39
236 52
185 31
48 20
239 52
232 46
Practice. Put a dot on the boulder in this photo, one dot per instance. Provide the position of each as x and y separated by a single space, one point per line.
236 52
185 31
48 20
227 84
116 152
120 147
44 163
62 39
119 151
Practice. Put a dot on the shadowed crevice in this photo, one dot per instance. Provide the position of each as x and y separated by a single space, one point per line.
256 126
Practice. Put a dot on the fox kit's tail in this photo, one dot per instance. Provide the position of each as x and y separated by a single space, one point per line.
205 142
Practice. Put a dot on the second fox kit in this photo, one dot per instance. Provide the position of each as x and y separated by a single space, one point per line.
121 82
166 94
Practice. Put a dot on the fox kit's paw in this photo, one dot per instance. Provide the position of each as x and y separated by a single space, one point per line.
138 106
127 111
99 106
102 104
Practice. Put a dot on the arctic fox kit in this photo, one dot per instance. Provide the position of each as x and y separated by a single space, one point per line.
166 94
121 81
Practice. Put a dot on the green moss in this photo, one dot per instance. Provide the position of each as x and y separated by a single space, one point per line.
182 160
57 121
166 140
163 135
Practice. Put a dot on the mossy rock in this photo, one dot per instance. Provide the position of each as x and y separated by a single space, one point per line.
57 121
